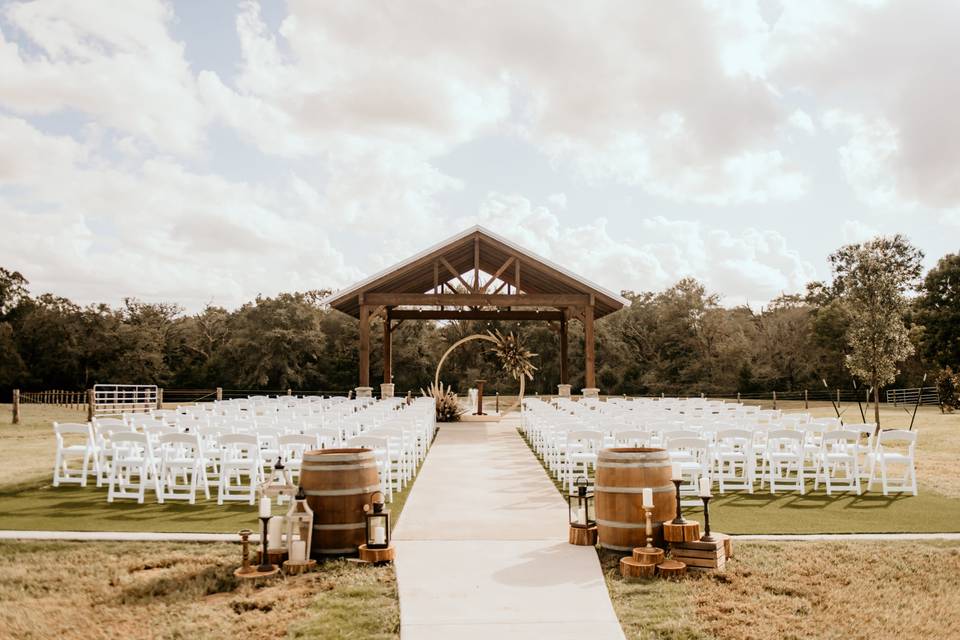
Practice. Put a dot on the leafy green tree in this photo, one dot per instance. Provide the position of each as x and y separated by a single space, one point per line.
873 279
938 310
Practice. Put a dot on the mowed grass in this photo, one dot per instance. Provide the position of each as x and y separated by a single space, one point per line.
88 590
795 590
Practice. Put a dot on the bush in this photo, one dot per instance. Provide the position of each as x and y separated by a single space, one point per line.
948 386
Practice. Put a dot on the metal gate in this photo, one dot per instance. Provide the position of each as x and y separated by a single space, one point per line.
114 399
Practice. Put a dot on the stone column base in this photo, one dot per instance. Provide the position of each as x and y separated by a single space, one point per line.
563 390
386 390
591 392
364 392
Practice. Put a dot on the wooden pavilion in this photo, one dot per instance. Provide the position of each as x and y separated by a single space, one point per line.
475 275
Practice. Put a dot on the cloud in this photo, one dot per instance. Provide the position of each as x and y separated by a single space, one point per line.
752 265
115 63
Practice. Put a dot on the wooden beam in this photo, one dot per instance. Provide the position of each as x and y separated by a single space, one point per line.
563 351
457 275
451 314
590 379
516 274
499 272
482 299
476 264
364 345
387 348
500 288
436 277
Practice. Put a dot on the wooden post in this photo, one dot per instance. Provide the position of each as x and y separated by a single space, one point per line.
364 346
16 406
219 393
838 398
91 400
387 348
289 391
563 352
774 399
806 400
160 398
590 379
738 396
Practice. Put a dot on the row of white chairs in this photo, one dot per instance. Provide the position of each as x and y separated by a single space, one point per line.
131 457
783 454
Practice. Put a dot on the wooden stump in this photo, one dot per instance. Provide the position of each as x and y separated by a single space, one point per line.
292 568
583 536
671 569
630 568
254 574
687 532
648 555
377 556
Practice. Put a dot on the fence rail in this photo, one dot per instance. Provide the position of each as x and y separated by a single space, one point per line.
58 397
926 395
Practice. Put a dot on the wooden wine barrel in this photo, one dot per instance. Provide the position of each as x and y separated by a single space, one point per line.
622 474
338 482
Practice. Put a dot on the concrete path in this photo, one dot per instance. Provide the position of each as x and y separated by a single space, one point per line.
482 547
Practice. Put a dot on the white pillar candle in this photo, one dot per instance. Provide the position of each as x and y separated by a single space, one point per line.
379 535
677 472
648 498
265 507
275 533
581 516
298 551
705 485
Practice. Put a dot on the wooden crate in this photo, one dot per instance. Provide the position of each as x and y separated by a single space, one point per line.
699 554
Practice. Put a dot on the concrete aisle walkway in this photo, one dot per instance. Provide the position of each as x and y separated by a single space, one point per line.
482 547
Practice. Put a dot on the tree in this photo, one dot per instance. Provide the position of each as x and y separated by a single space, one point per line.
872 279
938 310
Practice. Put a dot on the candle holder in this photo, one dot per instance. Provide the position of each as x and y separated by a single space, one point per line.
265 564
649 513
245 543
679 519
706 520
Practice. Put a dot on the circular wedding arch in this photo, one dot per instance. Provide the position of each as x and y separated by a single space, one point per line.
477 336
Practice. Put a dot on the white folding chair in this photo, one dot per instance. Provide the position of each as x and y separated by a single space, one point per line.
181 458
132 457
896 448
379 446
784 456
292 446
239 457
581 454
838 454
81 446
736 460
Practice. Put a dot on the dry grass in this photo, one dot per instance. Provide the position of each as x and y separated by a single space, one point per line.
847 590
183 590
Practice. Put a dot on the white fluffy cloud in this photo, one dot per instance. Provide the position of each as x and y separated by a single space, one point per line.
653 253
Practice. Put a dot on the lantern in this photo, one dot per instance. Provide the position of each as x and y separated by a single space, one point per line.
580 505
378 523
279 484
299 528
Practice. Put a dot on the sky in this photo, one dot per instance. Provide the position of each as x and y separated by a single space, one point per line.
207 152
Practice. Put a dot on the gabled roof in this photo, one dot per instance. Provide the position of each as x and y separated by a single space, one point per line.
416 274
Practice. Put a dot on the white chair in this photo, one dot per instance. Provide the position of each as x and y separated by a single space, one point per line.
896 447
838 453
736 460
181 457
85 451
132 457
866 446
784 456
693 456
582 449
632 438
239 457
380 447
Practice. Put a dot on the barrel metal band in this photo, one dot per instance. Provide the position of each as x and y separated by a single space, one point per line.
342 492
340 527
661 489
337 457
610 464
336 467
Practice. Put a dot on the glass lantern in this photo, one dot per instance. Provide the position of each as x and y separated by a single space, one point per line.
580 505
378 522
279 484
299 527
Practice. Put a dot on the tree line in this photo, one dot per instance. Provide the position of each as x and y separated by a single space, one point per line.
876 321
